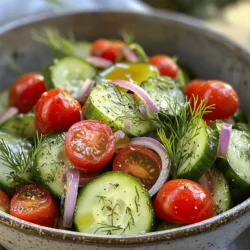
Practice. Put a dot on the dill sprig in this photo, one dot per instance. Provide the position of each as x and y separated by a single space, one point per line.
54 40
177 130
19 161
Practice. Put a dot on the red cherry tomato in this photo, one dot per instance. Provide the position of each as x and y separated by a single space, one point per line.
90 144
56 110
139 162
4 202
107 49
26 91
183 201
165 65
34 204
217 93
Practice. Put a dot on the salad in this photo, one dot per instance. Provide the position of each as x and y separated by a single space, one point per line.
108 140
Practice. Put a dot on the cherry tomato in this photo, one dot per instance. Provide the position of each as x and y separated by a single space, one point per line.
90 144
107 49
139 162
183 201
26 91
4 201
56 110
217 93
165 65
34 204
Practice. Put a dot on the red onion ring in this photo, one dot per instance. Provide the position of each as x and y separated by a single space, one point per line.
7 114
73 177
119 135
130 55
85 90
143 110
206 181
138 91
99 62
153 144
225 134
127 124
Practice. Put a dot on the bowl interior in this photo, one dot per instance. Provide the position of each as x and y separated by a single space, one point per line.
208 55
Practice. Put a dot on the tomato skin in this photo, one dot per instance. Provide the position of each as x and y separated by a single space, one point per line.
34 204
165 65
107 49
90 144
184 202
26 91
4 201
56 110
217 93
139 162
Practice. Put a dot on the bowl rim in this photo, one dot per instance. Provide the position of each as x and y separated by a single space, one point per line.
158 236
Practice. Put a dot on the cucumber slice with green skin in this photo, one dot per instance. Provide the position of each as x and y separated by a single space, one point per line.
108 104
51 163
236 167
138 72
82 49
15 163
242 126
197 150
4 99
165 93
22 125
114 203
214 181
161 225
69 73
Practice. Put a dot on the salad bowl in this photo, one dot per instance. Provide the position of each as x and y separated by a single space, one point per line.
208 56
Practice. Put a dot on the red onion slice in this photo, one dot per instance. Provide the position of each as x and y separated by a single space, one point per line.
99 62
225 134
143 110
7 114
206 181
138 91
153 144
130 55
119 135
85 90
73 177
127 124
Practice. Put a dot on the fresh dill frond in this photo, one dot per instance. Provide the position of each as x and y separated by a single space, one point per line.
54 40
127 37
18 161
178 129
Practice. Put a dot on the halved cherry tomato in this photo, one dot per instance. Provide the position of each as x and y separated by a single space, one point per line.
217 93
139 162
184 202
90 144
56 110
4 201
107 49
165 65
26 91
34 204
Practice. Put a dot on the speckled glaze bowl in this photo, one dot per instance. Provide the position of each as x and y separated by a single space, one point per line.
206 53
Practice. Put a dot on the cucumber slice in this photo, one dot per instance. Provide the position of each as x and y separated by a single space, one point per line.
114 203
214 181
165 93
108 104
51 163
22 125
183 77
197 150
69 73
236 167
138 72
161 225
4 99
242 126
82 49
15 164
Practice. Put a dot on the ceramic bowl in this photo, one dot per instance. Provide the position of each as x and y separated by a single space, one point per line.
206 53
